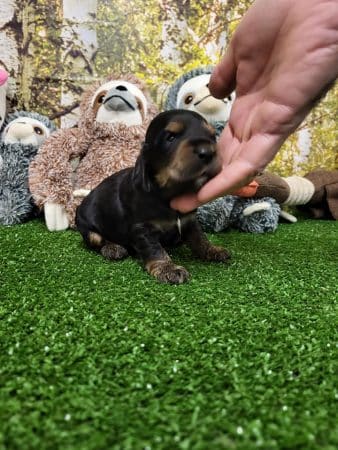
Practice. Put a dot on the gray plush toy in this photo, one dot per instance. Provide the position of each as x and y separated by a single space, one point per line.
244 214
22 134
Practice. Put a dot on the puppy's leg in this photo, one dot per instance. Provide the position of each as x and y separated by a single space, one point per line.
201 247
156 260
108 250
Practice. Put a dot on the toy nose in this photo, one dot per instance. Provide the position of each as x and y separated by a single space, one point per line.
205 153
21 130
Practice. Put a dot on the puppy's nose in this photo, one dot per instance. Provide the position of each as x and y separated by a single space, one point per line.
205 153
121 88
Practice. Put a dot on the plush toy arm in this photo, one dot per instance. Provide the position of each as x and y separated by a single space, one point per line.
55 217
50 173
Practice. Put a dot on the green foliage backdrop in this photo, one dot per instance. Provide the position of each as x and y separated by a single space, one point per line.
63 45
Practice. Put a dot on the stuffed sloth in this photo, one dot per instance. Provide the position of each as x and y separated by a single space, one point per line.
21 137
191 91
316 193
114 116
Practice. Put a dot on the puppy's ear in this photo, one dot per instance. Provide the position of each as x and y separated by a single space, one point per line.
141 175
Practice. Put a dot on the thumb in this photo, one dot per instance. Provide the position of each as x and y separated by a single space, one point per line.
223 78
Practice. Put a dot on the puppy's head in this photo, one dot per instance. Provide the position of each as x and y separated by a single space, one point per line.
180 152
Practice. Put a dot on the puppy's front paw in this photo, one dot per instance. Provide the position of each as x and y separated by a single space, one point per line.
113 251
167 272
218 254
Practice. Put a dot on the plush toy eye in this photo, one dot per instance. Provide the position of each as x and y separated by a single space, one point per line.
38 131
229 98
188 99
139 105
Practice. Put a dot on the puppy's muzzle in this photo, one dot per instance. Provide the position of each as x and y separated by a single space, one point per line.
205 153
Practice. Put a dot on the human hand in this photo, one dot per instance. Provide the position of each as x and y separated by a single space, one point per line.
282 58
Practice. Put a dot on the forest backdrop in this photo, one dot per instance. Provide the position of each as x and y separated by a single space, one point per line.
52 49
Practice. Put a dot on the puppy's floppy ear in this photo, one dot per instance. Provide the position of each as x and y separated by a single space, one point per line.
141 175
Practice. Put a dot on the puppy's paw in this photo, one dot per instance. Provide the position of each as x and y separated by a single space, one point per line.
113 251
217 254
167 272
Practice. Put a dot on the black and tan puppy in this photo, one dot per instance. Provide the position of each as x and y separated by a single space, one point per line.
129 212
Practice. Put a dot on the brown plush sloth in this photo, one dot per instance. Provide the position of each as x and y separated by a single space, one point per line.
129 212
114 116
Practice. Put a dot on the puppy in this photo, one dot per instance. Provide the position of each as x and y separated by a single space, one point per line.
129 212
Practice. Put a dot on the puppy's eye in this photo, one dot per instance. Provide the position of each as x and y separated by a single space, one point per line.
229 98
38 131
100 99
188 99
171 137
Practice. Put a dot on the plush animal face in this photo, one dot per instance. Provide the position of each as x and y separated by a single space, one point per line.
194 95
25 130
180 151
119 101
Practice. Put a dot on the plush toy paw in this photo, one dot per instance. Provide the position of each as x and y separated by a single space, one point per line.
55 217
256 207
81 192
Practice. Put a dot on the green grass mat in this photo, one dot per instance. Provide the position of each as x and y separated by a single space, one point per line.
97 355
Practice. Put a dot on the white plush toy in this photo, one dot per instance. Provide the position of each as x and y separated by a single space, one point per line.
21 138
191 91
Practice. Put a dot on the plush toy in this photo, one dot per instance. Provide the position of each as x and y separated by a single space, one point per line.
114 116
316 193
3 87
244 214
21 137
191 91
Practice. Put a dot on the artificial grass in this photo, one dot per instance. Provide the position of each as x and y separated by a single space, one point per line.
98 355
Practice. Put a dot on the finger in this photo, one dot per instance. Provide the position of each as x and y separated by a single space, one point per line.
185 203
223 78
232 177
249 159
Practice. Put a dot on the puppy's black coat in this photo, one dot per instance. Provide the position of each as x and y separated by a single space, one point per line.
129 212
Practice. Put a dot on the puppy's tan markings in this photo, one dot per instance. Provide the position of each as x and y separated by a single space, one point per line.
113 251
95 239
175 127
210 128
166 271
172 172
